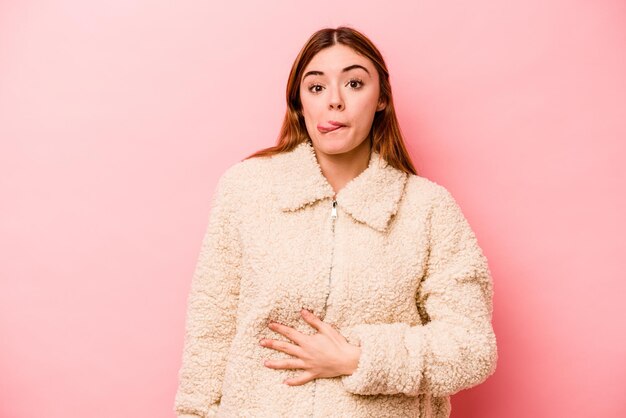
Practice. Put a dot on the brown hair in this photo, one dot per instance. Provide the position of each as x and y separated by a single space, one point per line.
385 136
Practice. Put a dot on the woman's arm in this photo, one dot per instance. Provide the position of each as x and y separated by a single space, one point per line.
457 348
211 308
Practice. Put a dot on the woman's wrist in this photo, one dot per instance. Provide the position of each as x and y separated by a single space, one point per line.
354 354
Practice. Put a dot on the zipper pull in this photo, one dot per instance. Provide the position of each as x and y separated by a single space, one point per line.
333 214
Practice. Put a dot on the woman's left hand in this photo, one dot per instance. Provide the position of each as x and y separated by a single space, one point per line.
326 353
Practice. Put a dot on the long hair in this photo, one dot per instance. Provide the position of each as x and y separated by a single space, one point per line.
385 136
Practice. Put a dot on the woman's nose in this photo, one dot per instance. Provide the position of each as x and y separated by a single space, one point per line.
335 101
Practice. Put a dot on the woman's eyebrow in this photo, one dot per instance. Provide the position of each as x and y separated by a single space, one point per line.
348 68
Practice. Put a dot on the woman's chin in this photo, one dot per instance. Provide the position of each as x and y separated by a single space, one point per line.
333 146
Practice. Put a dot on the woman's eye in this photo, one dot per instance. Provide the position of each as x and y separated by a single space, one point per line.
355 84
358 82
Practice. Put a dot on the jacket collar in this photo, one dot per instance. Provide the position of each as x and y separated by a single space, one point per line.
371 197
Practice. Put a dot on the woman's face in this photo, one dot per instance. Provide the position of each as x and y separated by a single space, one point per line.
339 85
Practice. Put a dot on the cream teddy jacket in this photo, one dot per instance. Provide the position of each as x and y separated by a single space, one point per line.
392 263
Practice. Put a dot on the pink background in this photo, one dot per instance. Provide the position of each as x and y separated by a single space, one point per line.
117 117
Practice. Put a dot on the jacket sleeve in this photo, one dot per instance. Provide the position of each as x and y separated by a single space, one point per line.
211 308
455 349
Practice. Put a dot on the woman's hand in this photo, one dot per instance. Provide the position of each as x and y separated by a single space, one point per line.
326 353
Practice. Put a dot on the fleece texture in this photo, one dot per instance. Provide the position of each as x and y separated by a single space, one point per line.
398 271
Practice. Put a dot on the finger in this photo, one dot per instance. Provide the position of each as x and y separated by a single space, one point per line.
285 364
313 320
301 379
284 346
288 332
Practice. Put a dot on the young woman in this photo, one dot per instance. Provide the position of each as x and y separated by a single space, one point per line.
333 281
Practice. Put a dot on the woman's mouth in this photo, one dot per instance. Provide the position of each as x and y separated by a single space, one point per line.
328 128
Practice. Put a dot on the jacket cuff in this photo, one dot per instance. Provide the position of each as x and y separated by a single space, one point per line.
211 412
382 367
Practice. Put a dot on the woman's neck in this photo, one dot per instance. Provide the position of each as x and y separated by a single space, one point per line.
339 169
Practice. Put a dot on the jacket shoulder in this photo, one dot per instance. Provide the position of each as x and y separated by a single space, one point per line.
245 176
426 190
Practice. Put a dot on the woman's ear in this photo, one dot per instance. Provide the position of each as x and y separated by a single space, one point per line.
381 105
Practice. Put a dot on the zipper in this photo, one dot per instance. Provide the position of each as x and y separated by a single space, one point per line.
333 216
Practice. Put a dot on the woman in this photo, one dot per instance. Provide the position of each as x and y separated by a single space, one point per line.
333 281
